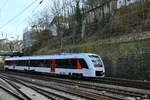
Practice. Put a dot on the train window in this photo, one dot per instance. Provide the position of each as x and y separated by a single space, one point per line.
39 63
42 63
31 63
66 63
21 63
96 60
70 63
46 63
5 63
73 63
93 56
8 62
34 63
83 63
26 62
60 63
17 63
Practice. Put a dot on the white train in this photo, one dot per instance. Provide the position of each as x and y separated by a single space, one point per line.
79 64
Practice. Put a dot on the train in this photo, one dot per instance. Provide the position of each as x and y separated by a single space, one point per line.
72 64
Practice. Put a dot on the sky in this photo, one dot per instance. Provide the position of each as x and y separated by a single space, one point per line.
12 27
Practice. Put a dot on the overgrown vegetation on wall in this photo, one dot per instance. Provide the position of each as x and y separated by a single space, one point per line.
135 18
127 20
129 59
124 59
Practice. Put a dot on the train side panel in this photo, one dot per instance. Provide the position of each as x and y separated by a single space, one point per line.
87 65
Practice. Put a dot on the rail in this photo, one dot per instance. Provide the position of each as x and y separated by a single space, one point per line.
84 84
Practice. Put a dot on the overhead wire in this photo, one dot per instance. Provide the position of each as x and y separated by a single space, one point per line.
9 21
37 6
31 12
2 33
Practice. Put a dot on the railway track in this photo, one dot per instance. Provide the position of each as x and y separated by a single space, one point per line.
6 93
121 82
39 88
99 90
34 95
49 95
106 80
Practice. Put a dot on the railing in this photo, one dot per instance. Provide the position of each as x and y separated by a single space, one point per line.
11 53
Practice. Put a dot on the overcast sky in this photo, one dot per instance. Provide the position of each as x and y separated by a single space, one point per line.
9 9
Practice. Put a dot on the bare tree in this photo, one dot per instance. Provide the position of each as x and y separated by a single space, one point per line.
60 10
92 3
40 19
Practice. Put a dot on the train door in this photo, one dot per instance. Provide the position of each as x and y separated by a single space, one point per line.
52 65
14 64
28 64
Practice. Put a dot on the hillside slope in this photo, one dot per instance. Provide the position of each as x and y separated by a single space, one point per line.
123 43
121 59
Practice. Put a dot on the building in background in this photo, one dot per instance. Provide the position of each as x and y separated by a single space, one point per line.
3 43
28 39
121 3
30 35
58 21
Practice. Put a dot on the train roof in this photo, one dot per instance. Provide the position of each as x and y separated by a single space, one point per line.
58 56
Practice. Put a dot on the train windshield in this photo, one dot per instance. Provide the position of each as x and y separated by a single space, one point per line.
96 60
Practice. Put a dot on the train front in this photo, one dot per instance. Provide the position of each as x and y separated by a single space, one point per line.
98 66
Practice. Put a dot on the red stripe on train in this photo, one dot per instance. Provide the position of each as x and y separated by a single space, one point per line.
79 65
14 64
52 65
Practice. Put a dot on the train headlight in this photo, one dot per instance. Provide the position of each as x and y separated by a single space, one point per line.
98 65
